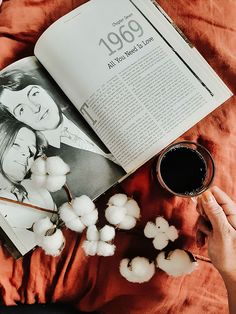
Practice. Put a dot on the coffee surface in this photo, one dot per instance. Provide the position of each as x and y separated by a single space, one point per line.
183 170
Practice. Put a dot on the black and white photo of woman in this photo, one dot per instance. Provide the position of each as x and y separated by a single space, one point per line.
30 96
19 146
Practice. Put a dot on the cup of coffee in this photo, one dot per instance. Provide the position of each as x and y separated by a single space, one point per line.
185 169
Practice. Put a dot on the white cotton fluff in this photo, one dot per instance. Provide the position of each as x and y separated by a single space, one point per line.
172 233
132 208
55 183
138 270
115 214
82 205
90 247
127 223
75 225
107 233
71 220
92 233
55 166
160 241
41 226
96 241
161 232
150 230
118 200
74 221
105 249
177 263
122 211
53 244
39 180
39 166
49 173
66 212
90 219
162 224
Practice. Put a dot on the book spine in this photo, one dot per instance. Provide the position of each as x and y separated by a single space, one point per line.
159 8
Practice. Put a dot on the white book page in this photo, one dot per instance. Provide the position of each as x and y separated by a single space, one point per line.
137 83
15 220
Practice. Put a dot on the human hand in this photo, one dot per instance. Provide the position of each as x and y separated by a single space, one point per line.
217 222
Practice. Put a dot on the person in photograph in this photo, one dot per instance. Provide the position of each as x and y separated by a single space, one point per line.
25 98
19 146
92 171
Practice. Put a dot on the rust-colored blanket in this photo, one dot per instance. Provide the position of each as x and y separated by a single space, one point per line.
95 283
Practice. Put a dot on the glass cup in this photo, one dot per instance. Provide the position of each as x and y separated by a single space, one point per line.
185 169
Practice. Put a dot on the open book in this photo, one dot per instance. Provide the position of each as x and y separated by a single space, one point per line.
111 84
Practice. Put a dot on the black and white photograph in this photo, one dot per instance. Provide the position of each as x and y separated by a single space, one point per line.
37 119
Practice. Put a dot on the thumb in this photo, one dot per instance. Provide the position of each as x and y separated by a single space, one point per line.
213 211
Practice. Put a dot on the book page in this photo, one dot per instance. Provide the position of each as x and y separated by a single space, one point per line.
37 119
15 220
131 75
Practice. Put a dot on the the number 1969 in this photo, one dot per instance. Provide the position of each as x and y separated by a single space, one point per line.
114 40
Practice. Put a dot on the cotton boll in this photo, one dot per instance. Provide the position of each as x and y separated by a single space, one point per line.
125 271
105 249
115 214
39 166
39 180
177 263
90 219
142 268
75 225
92 233
118 200
56 166
132 208
82 205
127 223
172 233
90 247
107 233
54 243
160 241
150 230
55 183
162 225
140 272
53 252
66 212
41 226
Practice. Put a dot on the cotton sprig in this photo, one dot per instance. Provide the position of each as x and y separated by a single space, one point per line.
97 241
137 270
176 263
161 232
49 173
48 237
79 213
122 211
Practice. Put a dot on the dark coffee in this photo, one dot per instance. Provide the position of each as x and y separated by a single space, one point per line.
183 170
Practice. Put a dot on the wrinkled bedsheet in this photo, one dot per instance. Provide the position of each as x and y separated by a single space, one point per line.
95 283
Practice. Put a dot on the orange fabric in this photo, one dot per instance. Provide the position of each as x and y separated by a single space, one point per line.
95 283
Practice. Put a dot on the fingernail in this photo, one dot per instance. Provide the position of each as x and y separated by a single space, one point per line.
207 197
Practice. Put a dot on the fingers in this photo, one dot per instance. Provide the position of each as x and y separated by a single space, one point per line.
224 201
214 211
200 209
